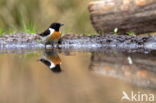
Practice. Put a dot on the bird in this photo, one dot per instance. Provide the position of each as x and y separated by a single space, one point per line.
52 61
52 33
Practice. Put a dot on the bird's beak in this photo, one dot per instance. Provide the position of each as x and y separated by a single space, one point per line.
62 24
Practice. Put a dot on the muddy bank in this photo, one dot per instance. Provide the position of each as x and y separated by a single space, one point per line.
77 42
109 41
19 38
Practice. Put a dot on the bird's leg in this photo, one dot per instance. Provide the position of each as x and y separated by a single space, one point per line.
46 43
59 42
49 43
52 43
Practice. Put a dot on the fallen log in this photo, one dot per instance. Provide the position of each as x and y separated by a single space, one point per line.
138 16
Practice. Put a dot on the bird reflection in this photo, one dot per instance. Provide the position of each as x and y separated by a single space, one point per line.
51 60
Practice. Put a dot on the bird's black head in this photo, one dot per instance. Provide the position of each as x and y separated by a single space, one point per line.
57 69
56 26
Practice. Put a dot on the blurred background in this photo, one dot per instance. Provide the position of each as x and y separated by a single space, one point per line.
36 15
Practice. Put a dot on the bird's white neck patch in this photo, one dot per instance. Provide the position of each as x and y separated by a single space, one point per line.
51 30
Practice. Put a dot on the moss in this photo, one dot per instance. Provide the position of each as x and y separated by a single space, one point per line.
131 33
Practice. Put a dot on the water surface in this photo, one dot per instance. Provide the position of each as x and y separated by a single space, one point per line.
86 77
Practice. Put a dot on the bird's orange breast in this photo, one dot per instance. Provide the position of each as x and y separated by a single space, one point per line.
54 36
55 59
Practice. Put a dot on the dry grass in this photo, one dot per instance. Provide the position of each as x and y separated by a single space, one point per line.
27 15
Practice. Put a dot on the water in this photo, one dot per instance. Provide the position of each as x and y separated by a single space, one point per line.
85 77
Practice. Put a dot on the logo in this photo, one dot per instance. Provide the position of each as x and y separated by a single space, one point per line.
137 97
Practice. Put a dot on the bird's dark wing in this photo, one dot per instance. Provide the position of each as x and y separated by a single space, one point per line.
45 33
